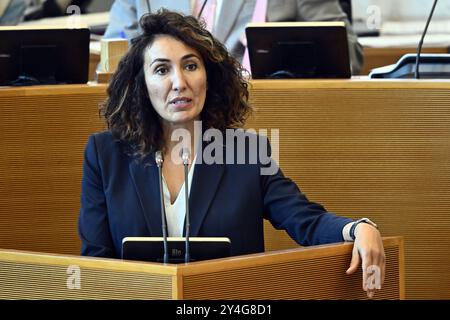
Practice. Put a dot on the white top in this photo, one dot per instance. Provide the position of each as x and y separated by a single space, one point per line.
176 212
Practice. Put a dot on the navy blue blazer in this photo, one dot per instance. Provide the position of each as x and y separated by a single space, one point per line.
120 198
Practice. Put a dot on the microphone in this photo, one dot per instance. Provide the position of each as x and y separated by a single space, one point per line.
159 163
419 48
201 9
437 64
185 155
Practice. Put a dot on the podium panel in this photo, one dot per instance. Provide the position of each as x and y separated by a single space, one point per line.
316 272
302 273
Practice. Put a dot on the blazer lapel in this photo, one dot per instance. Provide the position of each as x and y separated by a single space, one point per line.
145 179
227 17
204 186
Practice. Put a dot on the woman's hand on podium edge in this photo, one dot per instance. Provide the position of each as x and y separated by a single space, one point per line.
368 247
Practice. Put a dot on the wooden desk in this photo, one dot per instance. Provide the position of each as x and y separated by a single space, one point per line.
94 60
380 57
302 273
373 57
362 148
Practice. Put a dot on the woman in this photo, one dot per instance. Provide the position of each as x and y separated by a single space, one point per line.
175 74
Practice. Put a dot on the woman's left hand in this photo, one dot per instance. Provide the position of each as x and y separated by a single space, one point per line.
368 247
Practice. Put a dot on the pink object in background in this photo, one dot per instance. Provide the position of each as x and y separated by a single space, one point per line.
209 12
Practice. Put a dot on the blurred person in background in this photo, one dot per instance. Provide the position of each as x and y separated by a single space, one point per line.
230 18
12 12
39 9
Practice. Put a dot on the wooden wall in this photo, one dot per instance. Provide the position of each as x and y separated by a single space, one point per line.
379 149
43 132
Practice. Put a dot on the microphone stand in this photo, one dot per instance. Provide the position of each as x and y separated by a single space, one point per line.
419 48
185 158
159 163
202 8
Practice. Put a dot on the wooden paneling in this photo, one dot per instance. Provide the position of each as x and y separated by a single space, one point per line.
380 57
43 132
94 60
26 275
378 149
304 273
313 273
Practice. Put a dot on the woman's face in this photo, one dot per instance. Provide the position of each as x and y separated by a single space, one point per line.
176 81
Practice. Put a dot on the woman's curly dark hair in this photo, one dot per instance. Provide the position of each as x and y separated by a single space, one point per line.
128 111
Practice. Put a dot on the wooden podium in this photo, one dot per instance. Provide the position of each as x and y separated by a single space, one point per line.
316 272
